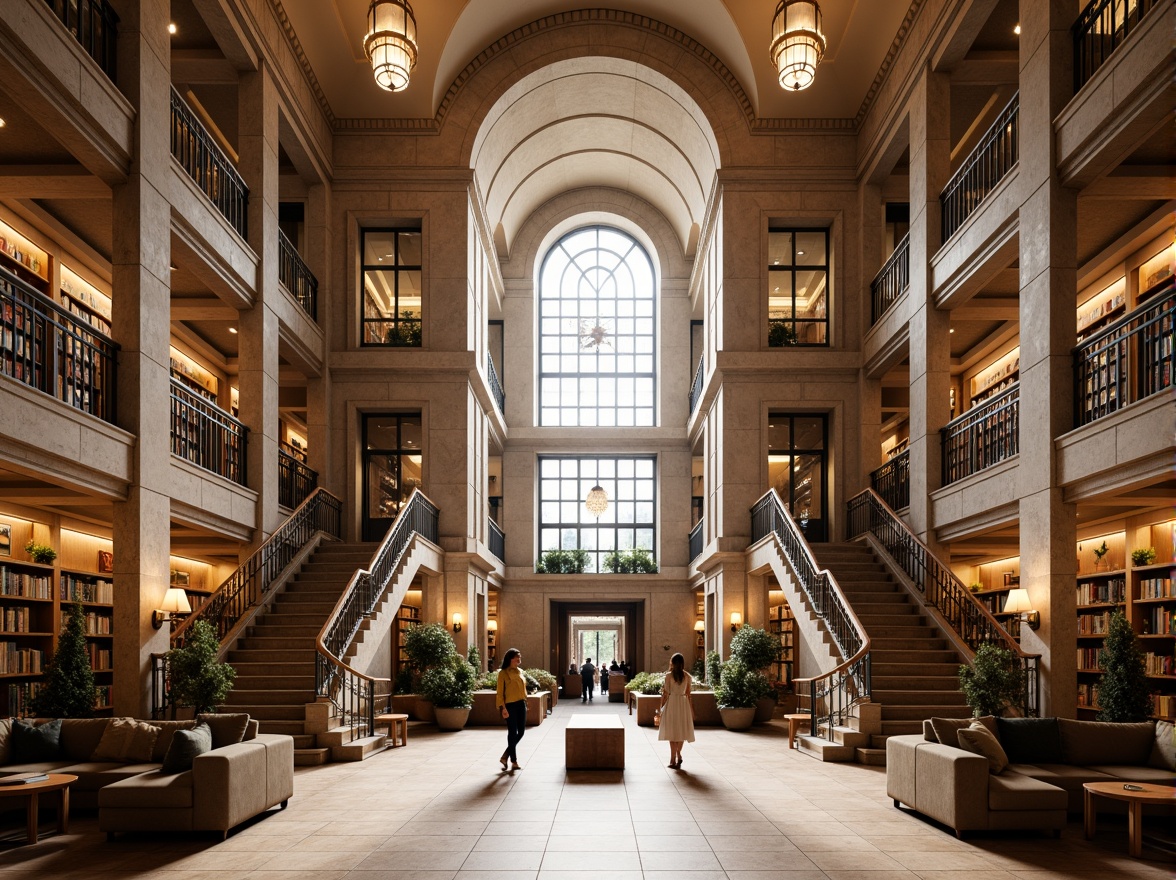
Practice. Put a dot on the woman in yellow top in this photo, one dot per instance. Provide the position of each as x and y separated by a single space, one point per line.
512 703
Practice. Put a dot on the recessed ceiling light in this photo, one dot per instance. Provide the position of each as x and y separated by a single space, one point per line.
1017 29
171 28
952 330
233 330
2 122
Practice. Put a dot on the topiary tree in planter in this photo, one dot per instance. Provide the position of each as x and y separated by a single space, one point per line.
1122 688
737 692
428 644
474 657
714 668
449 686
994 681
195 677
755 648
69 690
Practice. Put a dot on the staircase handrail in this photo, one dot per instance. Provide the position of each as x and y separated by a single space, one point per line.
354 693
251 582
848 683
972 622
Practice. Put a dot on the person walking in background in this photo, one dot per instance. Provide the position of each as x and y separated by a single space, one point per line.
603 679
511 701
587 680
677 710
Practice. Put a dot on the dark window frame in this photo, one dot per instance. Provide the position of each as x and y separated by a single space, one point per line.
790 325
407 332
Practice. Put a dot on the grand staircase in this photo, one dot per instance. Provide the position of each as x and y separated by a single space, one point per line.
914 670
275 660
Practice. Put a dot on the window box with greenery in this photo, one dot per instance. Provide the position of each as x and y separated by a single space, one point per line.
635 561
562 562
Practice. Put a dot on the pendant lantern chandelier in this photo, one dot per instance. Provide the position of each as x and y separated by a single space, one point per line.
391 43
798 43
597 501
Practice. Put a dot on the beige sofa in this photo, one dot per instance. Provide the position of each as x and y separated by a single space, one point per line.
956 787
225 786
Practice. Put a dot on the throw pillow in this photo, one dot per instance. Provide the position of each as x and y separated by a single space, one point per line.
978 739
945 729
227 728
1163 754
185 746
126 741
1107 742
1030 740
32 743
167 729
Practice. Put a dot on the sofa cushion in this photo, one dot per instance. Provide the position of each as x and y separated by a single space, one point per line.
185 746
167 729
944 729
1012 791
152 790
1104 742
126 741
35 767
1163 755
1030 740
5 741
80 736
93 775
979 740
36 742
1064 776
1135 773
227 728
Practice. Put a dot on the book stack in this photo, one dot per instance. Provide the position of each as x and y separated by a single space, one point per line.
23 778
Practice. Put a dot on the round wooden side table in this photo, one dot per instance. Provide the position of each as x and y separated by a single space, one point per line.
30 791
1141 793
795 721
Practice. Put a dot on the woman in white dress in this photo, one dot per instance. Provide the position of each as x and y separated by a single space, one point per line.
677 710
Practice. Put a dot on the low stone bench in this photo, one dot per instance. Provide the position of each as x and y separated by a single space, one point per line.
594 743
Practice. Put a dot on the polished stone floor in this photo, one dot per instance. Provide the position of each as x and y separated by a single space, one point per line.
743 807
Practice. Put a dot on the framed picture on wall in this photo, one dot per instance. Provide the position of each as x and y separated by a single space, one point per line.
5 539
105 561
180 578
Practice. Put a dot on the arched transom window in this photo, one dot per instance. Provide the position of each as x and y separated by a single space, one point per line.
596 332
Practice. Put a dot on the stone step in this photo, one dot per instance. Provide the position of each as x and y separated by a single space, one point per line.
281 629
249 683
883 603
311 757
294 615
277 643
304 603
255 669
918 631
290 712
917 697
907 670
934 645
880 683
359 749
823 750
871 756
270 697
305 741
286 726
919 712
903 727
305 654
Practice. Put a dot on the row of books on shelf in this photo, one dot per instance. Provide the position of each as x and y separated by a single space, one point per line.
100 658
20 698
75 589
18 660
1159 664
1094 624
1088 658
30 586
1102 592
1163 705
1161 621
17 618
98 624
1156 588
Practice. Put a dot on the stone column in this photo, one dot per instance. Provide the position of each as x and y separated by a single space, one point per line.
318 388
258 331
141 304
930 353
1048 270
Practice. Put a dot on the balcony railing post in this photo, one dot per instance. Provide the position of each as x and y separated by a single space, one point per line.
209 168
892 279
984 168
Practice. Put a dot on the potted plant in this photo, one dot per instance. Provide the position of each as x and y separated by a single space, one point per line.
406 333
757 649
714 668
69 690
780 334
449 686
1099 557
42 553
1123 687
644 691
546 682
635 561
195 677
993 682
426 645
976 587
738 690
1143 556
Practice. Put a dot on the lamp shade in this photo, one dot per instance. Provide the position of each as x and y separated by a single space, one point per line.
699 626
492 625
1017 601
736 618
391 43
798 44
597 501
175 601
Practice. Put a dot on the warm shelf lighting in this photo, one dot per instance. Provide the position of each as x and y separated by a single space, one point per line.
1017 602
597 501
391 43
736 620
798 45
175 601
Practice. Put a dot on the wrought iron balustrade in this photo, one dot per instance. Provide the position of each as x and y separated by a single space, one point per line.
696 386
296 276
696 541
892 279
353 694
46 347
295 480
983 436
1128 361
892 481
1102 27
972 622
831 696
497 539
987 165
94 24
495 385
207 165
206 435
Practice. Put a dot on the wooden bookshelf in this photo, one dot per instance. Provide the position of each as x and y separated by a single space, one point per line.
782 624
996 376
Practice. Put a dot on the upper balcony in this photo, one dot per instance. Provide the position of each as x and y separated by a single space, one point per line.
208 166
892 279
985 167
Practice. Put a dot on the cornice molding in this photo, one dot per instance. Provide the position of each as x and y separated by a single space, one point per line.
888 61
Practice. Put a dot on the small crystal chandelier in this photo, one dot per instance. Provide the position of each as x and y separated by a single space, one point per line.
797 43
391 43
597 501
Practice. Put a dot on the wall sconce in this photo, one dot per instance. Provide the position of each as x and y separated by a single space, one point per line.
457 621
492 626
736 620
699 626
1018 602
175 601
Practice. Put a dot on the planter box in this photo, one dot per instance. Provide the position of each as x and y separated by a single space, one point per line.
765 709
571 685
405 704
706 709
486 714
537 708
646 705
423 710
617 696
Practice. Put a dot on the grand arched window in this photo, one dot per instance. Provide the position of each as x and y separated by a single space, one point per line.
597 332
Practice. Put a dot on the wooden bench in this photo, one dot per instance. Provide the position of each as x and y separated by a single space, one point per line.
397 728
594 743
